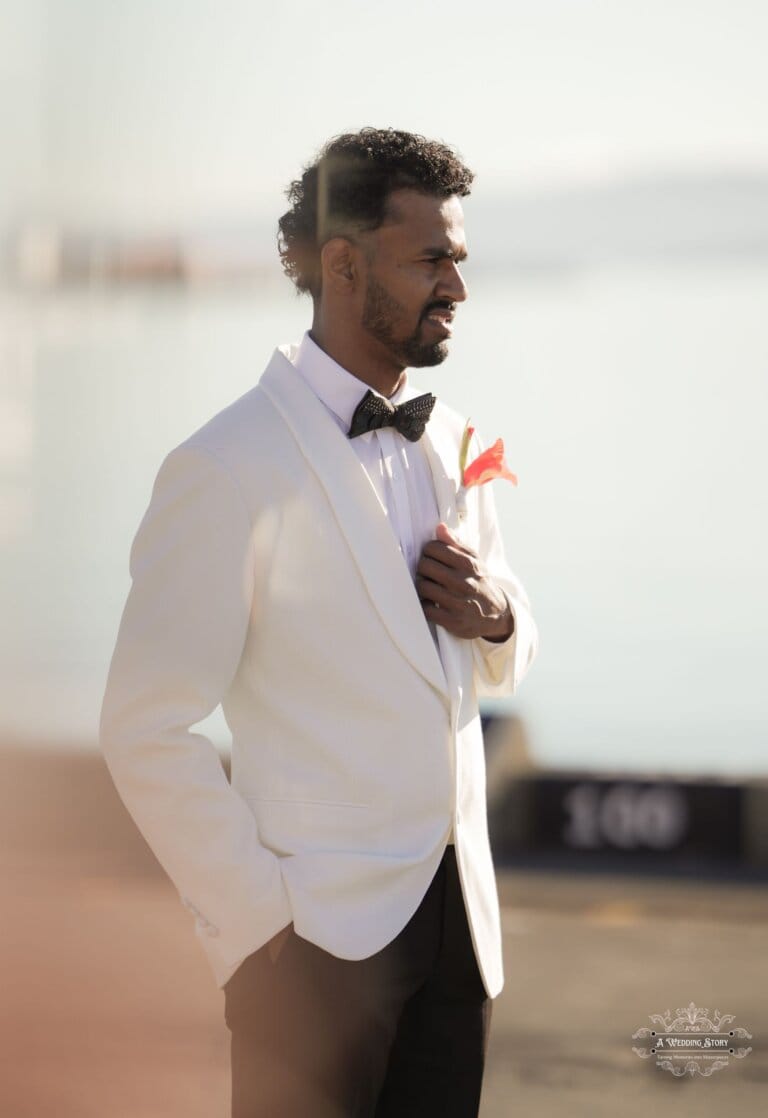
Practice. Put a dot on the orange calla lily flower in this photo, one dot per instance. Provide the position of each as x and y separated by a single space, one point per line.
488 466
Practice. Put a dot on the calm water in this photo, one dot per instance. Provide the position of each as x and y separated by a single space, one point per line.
632 405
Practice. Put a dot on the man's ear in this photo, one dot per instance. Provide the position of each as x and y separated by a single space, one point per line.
338 260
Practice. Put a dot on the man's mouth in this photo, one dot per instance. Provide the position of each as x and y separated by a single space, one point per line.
440 317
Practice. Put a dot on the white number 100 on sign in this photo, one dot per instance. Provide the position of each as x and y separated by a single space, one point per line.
626 816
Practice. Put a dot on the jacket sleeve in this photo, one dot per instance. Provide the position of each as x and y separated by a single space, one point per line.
178 648
500 667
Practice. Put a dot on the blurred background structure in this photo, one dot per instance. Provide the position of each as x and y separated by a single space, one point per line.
616 336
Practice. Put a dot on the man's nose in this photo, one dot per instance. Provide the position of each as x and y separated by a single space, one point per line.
452 285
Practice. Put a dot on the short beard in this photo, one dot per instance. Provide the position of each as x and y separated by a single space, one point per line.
380 311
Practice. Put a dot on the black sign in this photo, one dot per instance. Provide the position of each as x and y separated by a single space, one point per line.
665 822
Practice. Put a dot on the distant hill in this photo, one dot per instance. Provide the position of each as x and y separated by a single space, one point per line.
693 216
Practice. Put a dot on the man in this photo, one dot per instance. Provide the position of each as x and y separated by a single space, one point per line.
303 562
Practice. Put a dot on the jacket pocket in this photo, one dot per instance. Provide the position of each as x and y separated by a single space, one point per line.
291 827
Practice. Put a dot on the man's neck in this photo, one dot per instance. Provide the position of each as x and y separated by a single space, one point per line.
376 369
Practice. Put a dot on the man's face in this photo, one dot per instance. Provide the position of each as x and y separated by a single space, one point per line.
413 279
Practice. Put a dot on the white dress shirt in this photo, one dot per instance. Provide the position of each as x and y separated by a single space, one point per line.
398 469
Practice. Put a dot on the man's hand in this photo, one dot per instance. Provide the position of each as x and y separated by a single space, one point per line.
457 593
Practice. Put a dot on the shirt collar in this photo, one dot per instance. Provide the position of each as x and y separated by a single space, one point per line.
338 389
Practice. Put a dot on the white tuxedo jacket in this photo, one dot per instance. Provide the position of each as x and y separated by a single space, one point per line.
266 577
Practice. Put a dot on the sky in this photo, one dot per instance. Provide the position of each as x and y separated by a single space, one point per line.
166 112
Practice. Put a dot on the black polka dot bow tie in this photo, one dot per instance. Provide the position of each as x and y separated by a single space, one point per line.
409 418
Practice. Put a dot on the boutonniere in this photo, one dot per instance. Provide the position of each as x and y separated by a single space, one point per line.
486 467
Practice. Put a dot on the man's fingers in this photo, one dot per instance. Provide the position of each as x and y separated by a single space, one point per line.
434 613
450 556
445 535
446 576
430 591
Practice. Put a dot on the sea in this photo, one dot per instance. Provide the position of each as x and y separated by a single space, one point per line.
632 404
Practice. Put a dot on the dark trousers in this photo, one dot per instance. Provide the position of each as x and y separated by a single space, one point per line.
398 1035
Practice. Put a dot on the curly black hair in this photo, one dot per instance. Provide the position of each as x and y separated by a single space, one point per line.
347 186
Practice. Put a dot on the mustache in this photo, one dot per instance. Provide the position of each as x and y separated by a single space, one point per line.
439 305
